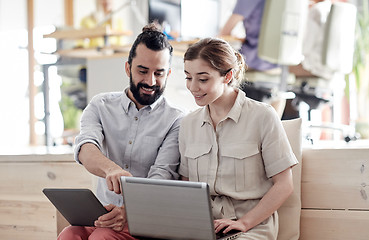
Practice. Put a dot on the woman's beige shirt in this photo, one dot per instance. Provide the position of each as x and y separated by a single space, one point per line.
237 159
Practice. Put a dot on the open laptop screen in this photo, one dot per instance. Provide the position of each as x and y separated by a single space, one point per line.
168 209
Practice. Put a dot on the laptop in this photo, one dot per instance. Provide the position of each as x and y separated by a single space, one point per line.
169 209
80 207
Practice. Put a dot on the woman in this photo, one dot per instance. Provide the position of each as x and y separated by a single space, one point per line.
235 144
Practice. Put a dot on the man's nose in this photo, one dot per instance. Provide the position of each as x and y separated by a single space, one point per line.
151 80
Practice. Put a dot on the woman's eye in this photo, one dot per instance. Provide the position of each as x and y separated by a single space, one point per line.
188 78
202 80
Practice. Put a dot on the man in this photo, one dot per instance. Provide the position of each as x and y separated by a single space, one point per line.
130 133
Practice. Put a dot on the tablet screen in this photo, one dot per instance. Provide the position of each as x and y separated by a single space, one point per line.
80 207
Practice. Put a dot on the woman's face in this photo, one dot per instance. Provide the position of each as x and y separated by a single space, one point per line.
204 82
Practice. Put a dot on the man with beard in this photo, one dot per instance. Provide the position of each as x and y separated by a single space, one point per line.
129 133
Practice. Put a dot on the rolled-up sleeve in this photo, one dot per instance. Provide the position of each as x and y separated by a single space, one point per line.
91 129
276 150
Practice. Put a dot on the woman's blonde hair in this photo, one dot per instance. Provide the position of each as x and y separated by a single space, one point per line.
220 55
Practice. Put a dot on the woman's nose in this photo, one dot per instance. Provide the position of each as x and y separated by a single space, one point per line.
192 86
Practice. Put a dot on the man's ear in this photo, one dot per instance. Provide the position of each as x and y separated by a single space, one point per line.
128 69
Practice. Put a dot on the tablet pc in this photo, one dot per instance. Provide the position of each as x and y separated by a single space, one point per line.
80 207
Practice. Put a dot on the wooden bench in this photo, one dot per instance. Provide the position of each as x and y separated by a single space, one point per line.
334 190
25 213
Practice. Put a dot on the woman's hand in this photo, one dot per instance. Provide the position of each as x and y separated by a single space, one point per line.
114 219
228 224
272 200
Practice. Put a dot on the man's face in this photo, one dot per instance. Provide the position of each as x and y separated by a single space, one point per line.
148 74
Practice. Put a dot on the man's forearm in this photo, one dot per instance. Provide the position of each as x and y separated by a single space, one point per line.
94 161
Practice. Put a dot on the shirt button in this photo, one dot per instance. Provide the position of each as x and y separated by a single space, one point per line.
130 142
126 166
136 118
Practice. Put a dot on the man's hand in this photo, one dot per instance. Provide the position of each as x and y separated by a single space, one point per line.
114 219
96 163
113 179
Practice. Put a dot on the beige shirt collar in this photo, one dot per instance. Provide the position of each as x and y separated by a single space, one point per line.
233 114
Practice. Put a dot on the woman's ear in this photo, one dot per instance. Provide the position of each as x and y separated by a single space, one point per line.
228 77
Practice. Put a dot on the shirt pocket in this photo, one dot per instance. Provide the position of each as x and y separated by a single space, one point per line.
198 156
241 166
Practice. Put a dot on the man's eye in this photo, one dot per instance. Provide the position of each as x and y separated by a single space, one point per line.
202 80
159 74
142 72
188 78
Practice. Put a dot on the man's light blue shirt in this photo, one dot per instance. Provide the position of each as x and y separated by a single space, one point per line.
143 142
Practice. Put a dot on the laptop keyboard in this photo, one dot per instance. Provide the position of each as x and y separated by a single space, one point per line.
233 234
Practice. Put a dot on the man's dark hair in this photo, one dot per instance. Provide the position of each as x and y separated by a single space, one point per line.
153 39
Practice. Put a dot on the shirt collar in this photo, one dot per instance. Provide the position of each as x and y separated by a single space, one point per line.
236 110
233 114
205 116
127 102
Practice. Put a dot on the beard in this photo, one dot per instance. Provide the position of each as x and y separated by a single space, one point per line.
145 99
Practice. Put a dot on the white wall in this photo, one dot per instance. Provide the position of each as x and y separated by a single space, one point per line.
14 101
13 74
9 20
